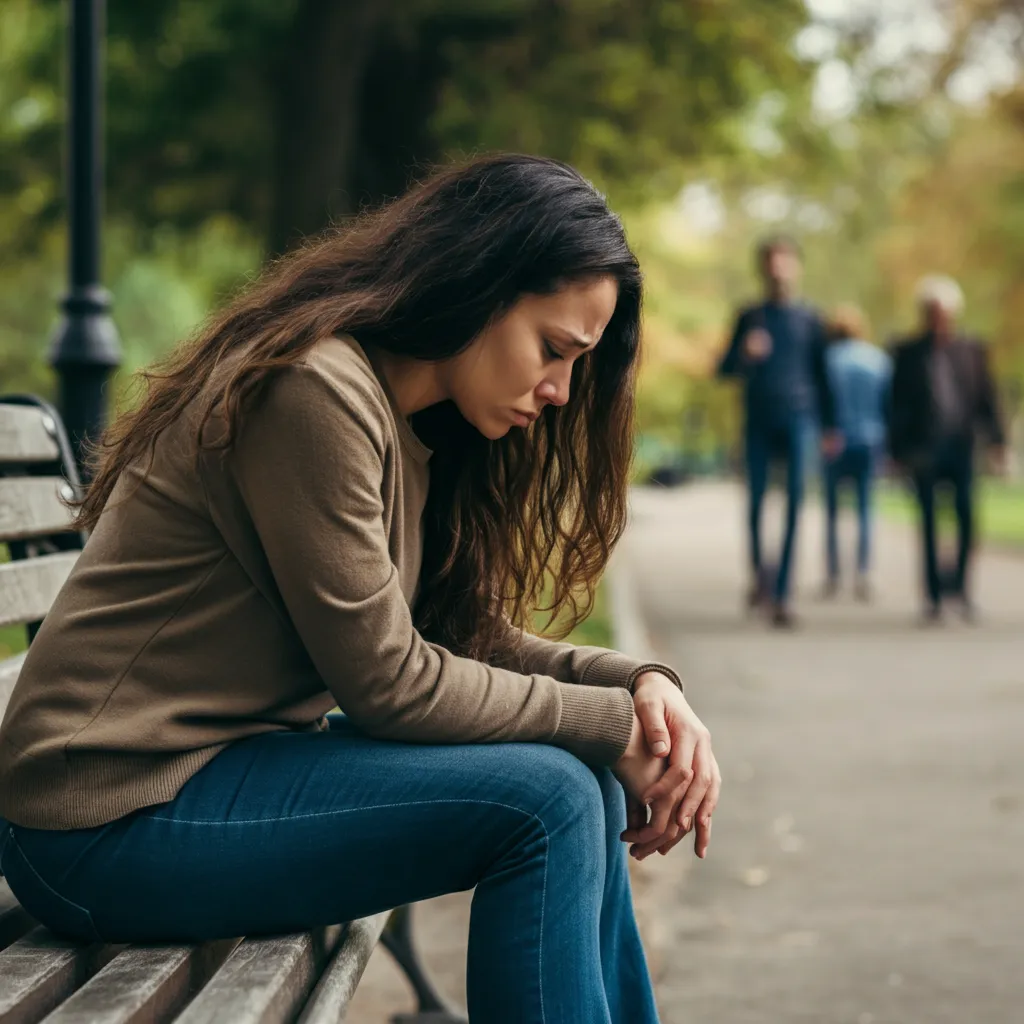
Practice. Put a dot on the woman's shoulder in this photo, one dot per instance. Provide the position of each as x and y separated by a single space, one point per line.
331 388
342 362
336 371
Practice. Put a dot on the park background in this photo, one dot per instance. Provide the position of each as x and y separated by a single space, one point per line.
866 863
887 137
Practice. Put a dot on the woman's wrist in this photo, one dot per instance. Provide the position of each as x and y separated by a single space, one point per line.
652 670
635 745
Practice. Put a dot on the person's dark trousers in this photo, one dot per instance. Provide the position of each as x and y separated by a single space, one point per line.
787 442
856 464
951 463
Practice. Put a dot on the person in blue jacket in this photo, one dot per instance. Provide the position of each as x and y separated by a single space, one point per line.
860 375
778 349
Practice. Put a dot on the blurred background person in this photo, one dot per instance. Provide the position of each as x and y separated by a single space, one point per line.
859 374
943 398
778 349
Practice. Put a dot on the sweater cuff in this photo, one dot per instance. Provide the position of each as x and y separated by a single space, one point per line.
595 723
614 669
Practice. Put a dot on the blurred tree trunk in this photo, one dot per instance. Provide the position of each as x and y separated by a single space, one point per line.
401 93
318 91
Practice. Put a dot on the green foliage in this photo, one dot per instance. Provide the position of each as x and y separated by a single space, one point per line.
595 630
162 286
197 95
628 92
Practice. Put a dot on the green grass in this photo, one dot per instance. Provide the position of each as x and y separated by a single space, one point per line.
595 630
12 641
1000 507
12 638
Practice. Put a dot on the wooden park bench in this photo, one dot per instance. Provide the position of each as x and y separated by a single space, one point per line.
309 978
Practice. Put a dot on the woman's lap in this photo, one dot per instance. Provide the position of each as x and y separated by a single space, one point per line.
285 831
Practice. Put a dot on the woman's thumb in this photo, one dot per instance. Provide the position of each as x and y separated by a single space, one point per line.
655 731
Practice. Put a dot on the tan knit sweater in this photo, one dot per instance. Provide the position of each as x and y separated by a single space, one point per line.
258 593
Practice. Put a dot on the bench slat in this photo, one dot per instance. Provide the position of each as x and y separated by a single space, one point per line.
264 981
28 587
143 983
30 506
40 971
9 669
23 435
14 918
335 989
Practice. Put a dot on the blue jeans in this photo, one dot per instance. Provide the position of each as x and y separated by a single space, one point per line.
788 442
856 463
286 831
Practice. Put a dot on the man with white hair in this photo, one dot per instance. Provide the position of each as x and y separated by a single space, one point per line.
942 399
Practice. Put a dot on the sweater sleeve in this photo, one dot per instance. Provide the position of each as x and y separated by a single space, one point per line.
571 663
309 465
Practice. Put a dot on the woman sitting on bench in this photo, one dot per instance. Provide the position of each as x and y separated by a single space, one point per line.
351 489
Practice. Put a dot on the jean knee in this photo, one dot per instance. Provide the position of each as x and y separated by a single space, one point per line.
557 790
613 799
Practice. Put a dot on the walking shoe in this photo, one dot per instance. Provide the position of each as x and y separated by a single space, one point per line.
829 589
932 615
782 617
862 589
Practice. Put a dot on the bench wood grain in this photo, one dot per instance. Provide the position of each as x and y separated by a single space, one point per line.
144 984
24 437
264 981
40 970
9 669
28 587
14 919
31 506
337 985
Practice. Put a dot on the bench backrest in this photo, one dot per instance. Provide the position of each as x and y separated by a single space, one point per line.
37 475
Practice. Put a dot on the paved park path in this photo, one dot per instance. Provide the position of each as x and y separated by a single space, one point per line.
867 865
868 857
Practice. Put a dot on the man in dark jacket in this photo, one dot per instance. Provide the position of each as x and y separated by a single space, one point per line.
942 399
778 348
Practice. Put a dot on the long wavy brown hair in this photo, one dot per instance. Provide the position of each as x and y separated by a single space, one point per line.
512 525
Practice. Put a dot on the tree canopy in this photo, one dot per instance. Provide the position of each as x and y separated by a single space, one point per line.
286 112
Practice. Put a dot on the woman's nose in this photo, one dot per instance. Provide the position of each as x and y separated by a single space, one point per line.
555 389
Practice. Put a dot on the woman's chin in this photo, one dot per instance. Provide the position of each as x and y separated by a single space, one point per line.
492 428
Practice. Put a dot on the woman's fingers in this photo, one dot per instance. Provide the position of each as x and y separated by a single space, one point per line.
645 849
663 850
705 771
703 837
706 809
678 775
651 713
661 820
658 829
636 818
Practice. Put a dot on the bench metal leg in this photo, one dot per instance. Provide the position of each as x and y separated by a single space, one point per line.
431 1008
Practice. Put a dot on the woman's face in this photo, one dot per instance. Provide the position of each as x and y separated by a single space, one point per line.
524 361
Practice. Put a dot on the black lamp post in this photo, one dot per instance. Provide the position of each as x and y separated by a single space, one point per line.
85 348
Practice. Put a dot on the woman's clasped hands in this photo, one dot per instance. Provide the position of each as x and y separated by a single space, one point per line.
669 768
